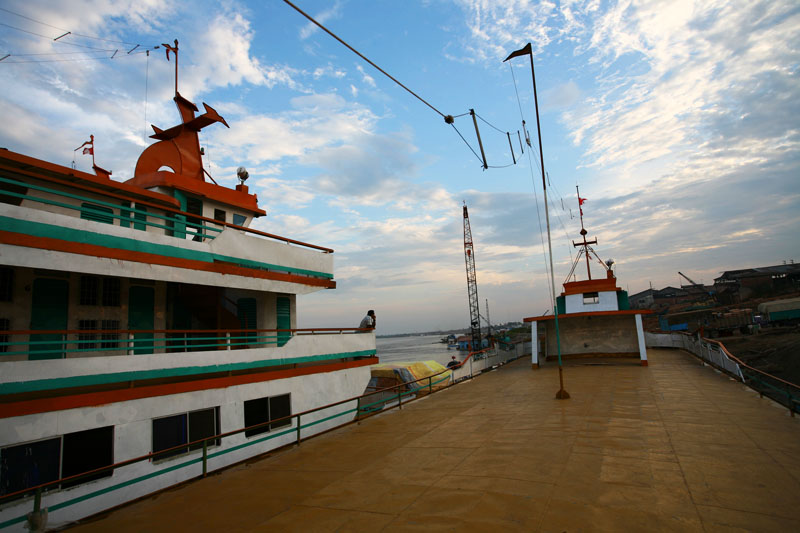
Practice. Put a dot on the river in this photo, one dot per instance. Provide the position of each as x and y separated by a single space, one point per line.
415 348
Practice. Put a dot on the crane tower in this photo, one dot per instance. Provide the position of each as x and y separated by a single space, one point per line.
472 284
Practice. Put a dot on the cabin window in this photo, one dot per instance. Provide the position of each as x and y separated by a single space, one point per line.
34 463
6 284
90 289
97 213
263 410
184 428
239 220
91 294
86 340
591 298
194 206
5 325
219 214
112 290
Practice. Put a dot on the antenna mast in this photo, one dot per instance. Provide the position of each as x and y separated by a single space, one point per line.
472 284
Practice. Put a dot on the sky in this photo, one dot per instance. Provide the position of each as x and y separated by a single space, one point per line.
678 120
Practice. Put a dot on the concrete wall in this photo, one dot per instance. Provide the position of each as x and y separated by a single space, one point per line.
585 335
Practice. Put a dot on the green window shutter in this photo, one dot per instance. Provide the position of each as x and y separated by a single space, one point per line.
284 319
97 213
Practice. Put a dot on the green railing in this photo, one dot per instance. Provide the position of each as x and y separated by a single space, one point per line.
57 344
172 221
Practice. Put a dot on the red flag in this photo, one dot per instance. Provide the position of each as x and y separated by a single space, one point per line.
581 200
88 150
525 50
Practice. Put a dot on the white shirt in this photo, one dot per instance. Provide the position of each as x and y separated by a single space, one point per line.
366 322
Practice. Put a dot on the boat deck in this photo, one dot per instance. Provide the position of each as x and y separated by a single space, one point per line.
673 446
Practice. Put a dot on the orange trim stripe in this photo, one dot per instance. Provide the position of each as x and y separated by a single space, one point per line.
93 399
47 243
593 313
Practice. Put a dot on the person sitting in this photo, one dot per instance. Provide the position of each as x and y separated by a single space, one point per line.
368 322
453 363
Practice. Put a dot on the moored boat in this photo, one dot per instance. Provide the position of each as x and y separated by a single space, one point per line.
145 315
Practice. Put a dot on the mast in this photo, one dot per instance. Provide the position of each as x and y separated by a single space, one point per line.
585 244
472 284
562 394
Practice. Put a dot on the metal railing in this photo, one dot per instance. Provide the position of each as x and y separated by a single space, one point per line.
55 344
365 406
173 221
717 355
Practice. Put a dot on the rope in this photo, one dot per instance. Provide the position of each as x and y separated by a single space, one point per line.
468 145
359 54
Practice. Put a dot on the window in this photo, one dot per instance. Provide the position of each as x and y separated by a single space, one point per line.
591 298
110 340
219 214
98 213
239 220
6 284
5 325
184 428
262 410
86 340
194 206
111 292
34 463
90 291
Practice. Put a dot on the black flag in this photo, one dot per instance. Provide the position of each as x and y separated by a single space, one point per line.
521 52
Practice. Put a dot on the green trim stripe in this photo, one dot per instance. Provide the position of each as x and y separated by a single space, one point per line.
151 475
117 377
39 229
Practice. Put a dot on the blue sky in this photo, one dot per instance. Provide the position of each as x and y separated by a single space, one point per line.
679 121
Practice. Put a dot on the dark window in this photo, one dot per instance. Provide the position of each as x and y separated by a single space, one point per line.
256 412
110 340
98 213
280 406
5 325
90 289
194 206
85 451
16 190
219 214
591 298
86 340
34 463
6 284
183 428
239 220
111 292
28 465
263 410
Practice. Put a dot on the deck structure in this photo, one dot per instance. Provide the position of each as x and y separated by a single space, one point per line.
675 446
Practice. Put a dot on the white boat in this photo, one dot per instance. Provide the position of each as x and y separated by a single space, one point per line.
144 315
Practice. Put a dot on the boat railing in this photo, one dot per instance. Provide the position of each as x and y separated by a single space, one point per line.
57 344
717 355
206 449
135 214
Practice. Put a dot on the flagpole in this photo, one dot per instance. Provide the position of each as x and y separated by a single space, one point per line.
562 394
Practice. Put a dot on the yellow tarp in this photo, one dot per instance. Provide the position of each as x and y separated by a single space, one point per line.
403 372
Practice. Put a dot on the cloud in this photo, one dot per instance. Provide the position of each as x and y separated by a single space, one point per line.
366 78
322 17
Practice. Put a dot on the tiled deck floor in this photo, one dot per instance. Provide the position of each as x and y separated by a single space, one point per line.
673 446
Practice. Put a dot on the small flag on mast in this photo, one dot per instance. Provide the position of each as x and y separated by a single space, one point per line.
525 50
